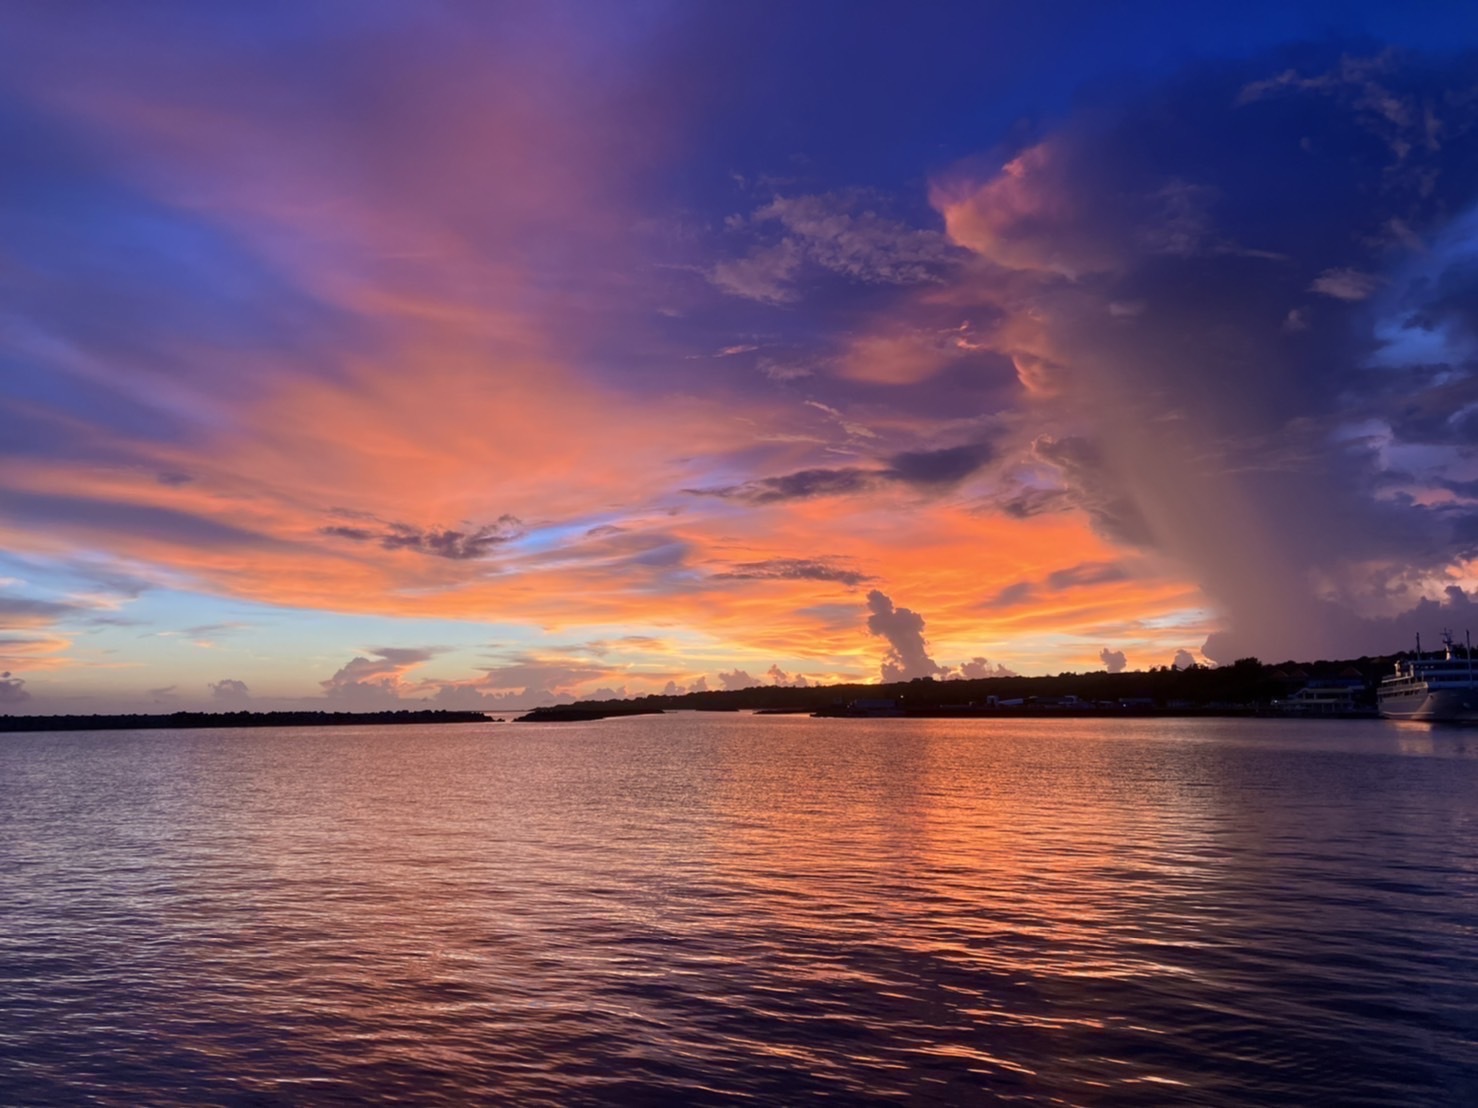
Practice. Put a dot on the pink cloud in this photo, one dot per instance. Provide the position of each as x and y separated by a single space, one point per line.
1030 216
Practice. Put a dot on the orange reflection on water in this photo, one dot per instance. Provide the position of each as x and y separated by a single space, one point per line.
710 900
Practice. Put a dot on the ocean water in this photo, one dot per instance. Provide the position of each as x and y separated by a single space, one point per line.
725 909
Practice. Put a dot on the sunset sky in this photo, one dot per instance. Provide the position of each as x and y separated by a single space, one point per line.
363 354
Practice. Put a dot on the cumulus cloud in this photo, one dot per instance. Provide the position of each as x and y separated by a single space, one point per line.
1029 216
738 679
907 656
376 679
982 667
1035 215
1113 660
12 689
781 679
1184 659
464 697
230 690
525 680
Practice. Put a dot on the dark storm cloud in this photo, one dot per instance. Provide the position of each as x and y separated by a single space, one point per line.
1086 573
939 467
456 545
1027 502
1262 383
1358 636
1424 404
801 485
792 569
1468 490
921 469
1093 486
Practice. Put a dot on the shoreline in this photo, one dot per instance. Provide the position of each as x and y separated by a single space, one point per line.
193 720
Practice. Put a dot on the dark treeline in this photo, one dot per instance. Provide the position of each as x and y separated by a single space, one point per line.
231 719
1248 682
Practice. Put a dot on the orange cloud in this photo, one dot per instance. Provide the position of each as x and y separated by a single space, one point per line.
1027 217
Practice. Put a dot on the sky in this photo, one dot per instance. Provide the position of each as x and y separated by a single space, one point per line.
361 355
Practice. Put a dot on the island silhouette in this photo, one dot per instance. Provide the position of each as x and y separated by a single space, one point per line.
1246 687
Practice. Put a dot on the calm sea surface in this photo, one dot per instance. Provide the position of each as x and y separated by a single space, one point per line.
703 909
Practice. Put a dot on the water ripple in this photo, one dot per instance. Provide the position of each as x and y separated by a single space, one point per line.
729 910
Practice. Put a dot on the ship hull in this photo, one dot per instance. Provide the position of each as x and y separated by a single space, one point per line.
1437 706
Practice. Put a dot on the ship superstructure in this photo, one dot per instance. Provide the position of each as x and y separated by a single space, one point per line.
1440 687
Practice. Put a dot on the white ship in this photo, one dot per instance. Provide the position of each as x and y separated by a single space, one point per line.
1438 688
